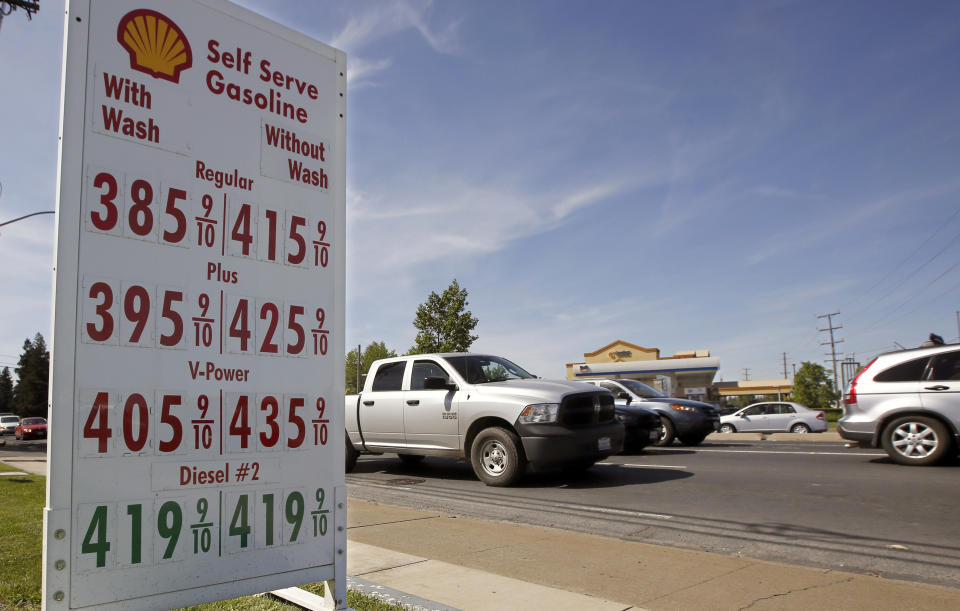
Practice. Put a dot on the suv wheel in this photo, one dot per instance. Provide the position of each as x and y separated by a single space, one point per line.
916 440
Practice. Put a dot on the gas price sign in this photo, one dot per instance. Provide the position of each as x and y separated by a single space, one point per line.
196 420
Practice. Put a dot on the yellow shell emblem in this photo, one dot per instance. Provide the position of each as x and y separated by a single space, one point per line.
156 44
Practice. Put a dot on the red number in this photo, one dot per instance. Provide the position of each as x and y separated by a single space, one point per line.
272 235
166 417
239 327
135 440
206 233
270 310
203 404
97 426
319 424
296 259
103 333
170 314
176 236
321 317
270 403
136 308
293 418
324 256
297 328
141 192
239 425
107 221
241 229
322 230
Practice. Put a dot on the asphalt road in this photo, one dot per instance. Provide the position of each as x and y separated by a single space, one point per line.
810 503
816 504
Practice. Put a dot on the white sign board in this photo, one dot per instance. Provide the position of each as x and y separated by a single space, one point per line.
196 423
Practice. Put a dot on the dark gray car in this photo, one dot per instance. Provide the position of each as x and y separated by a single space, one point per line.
683 419
908 403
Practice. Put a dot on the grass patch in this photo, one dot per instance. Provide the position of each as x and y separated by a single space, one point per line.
21 543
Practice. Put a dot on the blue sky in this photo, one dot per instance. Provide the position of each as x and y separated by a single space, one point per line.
676 175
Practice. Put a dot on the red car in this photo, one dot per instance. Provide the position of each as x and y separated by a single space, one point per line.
31 427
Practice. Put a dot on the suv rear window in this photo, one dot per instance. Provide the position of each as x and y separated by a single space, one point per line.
389 376
911 371
945 367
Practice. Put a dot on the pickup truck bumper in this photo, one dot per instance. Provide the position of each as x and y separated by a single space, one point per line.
549 444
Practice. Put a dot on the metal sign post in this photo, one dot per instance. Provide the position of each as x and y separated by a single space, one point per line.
196 426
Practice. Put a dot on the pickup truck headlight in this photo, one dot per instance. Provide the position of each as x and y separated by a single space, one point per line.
539 413
682 408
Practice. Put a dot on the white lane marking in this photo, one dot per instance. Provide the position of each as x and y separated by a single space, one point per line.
636 466
698 450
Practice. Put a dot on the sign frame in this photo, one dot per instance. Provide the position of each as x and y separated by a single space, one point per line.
59 519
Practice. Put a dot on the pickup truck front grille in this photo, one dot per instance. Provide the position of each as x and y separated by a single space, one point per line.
586 409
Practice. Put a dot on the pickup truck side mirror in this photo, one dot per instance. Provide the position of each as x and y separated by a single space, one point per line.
438 383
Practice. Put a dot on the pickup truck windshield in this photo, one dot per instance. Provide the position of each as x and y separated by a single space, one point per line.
479 369
641 390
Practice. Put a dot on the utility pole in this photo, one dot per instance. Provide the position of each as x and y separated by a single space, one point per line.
746 373
358 368
958 325
794 365
784 365
833 343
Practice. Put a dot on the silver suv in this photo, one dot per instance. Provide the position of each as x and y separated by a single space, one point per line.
907 402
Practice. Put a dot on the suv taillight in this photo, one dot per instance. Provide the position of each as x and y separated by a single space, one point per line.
819 415
851 397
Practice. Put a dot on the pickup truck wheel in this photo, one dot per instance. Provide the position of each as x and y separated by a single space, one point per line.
351 459
667 432
916 440
496 457
410 459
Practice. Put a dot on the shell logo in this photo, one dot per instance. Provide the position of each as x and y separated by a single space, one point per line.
157 46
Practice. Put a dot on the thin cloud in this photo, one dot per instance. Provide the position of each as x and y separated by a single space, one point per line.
819 231
383 20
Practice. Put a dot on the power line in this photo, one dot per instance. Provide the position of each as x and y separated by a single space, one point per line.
905 259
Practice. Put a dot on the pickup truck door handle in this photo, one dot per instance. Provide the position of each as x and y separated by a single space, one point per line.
937 387
368 403
413 402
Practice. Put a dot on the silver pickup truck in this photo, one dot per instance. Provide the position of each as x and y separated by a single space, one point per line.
482 408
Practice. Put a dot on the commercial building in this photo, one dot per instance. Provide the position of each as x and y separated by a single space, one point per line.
688 373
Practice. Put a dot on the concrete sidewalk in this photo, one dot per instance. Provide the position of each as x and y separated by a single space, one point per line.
476 565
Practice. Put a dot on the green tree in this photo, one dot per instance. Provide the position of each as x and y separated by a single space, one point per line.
373 351
33 374
442 324
813 386
6 390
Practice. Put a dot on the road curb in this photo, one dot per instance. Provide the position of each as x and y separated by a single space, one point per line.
828 436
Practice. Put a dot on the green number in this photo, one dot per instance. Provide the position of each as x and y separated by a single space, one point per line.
239 525
295 516
268 503
136 523
320 496
98 529
171 532
202 506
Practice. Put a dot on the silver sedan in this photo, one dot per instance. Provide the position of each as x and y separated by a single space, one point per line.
774 417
